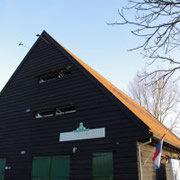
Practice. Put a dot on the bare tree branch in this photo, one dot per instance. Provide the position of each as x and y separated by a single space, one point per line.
160 102
158 23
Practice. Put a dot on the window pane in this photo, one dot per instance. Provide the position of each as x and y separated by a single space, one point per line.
44 113
66 109
55 74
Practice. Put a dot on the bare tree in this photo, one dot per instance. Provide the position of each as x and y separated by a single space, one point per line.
158 23
160 102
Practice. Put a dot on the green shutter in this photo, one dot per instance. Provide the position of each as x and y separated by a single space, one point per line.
102 166
51 168
2 168
41 168
60 168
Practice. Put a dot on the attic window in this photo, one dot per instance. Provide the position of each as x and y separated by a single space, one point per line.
56 111
66 109
65 71
42 114
55 74
48 76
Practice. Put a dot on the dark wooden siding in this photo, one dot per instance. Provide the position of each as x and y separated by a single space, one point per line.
20 131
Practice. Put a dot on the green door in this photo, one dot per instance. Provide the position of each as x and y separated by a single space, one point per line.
41 168
60 168
2 168
102 166
51 168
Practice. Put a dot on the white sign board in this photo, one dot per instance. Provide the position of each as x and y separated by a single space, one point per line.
82 133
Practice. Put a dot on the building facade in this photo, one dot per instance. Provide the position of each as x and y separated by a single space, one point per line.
61 120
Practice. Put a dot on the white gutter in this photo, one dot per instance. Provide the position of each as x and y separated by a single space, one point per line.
139 149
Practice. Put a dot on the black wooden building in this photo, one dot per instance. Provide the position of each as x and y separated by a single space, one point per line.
61 120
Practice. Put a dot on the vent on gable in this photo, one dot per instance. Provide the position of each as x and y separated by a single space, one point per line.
55 74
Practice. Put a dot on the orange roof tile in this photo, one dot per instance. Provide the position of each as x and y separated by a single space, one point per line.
155 126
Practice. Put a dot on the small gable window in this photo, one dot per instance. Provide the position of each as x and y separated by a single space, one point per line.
55 74
48 76
65 71
65 109
45 113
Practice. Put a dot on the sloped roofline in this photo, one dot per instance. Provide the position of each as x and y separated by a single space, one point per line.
155 126
18 68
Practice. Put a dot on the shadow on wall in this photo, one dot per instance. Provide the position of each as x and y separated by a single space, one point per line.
161 172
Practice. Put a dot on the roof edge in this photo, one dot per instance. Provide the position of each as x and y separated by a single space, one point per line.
78 62
87 71
156 137
19 66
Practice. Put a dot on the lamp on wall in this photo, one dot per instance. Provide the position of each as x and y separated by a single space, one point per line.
7 167
21 44
28 110
74 150
23 152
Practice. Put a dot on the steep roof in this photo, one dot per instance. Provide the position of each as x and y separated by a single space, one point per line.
155 126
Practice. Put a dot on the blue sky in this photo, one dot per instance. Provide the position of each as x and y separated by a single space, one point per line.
80 26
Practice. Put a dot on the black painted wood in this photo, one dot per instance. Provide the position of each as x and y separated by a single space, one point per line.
96 108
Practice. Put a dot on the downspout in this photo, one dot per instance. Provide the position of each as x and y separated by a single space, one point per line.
139 149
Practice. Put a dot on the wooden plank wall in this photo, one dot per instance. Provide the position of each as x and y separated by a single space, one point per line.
148 172
20 131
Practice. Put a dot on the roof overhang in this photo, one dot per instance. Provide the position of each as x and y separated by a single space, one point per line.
158 138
